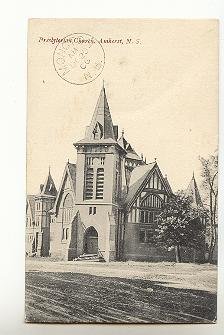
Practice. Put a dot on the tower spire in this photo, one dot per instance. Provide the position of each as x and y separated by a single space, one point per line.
193 192
101 126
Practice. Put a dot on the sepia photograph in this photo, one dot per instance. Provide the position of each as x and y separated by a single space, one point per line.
122 171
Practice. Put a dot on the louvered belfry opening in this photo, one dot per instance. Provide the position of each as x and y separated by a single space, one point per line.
99 183
89 184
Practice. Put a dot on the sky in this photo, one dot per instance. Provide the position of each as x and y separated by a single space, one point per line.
162 91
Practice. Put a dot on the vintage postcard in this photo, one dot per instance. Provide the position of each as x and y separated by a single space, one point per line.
122 170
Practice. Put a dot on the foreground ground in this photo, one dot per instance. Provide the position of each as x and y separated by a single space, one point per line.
120 292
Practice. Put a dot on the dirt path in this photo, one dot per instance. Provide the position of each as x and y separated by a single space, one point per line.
79 297
187 276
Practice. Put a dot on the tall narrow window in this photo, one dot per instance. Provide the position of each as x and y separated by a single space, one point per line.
89 184
99 183
66 233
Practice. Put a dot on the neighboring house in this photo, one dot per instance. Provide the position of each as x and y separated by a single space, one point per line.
38 219
107 202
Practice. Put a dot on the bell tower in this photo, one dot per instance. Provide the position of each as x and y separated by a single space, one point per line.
99 177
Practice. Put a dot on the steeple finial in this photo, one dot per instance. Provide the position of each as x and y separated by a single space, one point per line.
103 83
68 160
49 169
155 159
122 132
193 174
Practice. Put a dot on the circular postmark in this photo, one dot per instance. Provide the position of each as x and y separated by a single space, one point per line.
79 58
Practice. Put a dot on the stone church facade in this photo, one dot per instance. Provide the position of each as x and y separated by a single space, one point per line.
106 204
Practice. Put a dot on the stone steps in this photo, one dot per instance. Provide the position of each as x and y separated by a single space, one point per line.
90 257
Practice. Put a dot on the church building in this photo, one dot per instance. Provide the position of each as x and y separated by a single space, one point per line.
107 203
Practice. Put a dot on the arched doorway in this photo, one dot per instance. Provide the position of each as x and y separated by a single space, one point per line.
91 241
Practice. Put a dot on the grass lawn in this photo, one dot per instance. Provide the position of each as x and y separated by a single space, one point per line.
120 293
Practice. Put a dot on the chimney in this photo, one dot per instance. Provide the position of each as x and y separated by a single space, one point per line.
41 187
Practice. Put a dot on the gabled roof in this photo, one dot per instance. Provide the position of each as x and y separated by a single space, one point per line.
101 121
131 153
193 192
139 174
49 186
31 203
139 179
122 141
70 173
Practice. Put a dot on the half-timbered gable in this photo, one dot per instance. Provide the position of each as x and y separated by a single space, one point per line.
148 191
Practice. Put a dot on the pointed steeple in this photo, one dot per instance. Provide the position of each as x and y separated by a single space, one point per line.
49 187
101 126
193 192
122 142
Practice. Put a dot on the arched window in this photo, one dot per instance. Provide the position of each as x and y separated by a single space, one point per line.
67 209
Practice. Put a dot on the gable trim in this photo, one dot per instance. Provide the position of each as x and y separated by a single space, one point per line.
144 183
66 173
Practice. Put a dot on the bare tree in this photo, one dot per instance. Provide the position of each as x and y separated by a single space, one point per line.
209 174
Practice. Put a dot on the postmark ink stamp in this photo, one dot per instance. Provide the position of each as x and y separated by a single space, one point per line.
79 58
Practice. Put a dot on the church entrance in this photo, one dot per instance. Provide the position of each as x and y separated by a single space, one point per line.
91 241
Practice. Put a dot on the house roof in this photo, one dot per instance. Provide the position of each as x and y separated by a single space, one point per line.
49 186
193 192
31 204
131 153
101 120
138 175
